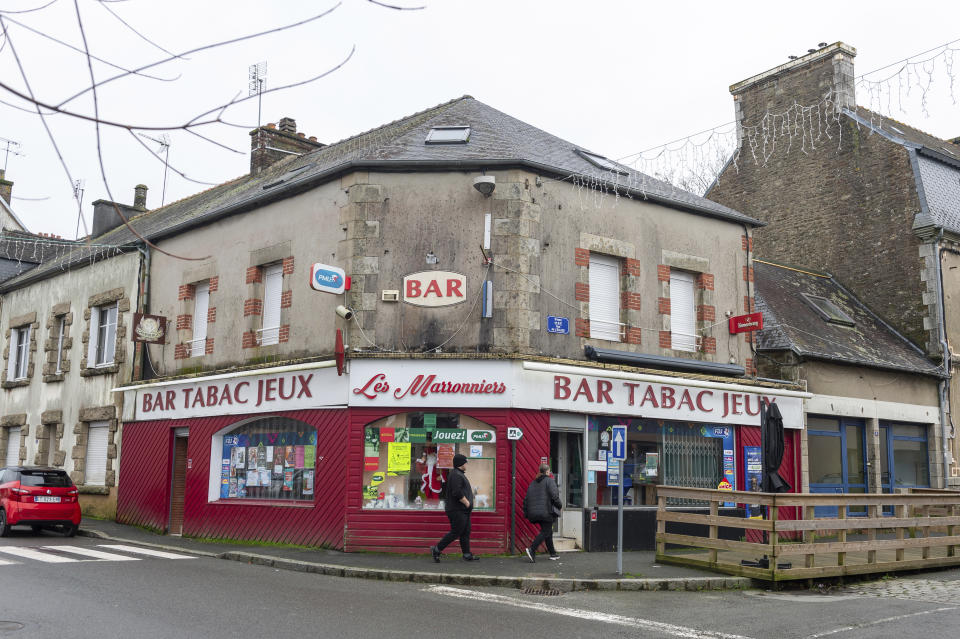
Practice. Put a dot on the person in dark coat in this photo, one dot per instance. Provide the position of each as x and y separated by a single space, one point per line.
542 505
458 505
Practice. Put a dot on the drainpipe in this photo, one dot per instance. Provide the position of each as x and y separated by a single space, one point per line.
944 387
143 300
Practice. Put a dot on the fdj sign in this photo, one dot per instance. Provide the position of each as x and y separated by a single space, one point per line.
328 279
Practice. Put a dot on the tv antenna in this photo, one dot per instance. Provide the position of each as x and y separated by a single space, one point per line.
78 196
10 146
164 142
258 78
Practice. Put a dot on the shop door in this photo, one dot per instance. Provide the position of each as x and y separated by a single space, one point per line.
178 484
838 463
566 463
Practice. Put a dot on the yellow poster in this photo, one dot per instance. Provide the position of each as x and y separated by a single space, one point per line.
377 479
398 460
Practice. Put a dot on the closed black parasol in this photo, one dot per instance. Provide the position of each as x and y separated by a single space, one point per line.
771 440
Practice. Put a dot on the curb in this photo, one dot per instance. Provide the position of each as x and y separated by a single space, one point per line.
563 585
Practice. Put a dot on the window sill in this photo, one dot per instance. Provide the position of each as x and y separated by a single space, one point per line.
59 377
273 503
100 370
93 490
17 383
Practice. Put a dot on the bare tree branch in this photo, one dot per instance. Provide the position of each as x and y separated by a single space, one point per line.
392 6
106 6
167 164
40 8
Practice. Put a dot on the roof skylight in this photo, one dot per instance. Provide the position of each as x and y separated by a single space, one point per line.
602 162
448 135
829 311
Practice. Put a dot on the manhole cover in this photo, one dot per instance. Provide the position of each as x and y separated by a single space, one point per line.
542 592
10 625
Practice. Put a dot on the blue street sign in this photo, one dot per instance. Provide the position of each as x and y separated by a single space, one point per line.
618 445
558 325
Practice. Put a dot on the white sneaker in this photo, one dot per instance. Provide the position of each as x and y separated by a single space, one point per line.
554 557
530 555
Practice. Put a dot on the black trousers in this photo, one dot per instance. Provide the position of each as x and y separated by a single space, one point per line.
459 529
545 536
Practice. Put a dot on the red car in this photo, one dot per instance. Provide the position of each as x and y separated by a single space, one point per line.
38 497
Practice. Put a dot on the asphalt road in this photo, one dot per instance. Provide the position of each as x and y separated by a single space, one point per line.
90 588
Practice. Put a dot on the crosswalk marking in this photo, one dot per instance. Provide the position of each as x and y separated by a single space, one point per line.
145 551
30 553
90 552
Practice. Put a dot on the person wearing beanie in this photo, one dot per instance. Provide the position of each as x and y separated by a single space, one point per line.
458 505
542 505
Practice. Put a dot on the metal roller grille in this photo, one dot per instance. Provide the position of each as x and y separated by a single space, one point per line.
691 460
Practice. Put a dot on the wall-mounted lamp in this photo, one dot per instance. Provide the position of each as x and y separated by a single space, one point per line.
344 312
431 258
485 184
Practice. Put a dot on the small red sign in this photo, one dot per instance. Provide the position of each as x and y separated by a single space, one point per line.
746 323
593 515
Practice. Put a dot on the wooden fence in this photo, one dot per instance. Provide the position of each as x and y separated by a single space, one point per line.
870 533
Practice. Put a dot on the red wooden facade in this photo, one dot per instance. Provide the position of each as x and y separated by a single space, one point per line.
335 518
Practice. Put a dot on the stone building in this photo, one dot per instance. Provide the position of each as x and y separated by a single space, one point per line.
870 200
357 312
872 420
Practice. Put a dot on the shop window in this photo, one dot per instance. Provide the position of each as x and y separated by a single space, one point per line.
683 315
407 458
604 297
903 456
270 458
98 435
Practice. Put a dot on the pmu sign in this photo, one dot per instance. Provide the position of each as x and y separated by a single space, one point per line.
434 288
328 279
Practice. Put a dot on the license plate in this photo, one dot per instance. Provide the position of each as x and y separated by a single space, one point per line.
49 500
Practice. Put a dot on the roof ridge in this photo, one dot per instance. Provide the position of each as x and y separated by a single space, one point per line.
909 126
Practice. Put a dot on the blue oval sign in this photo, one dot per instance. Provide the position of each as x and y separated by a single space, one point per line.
328 279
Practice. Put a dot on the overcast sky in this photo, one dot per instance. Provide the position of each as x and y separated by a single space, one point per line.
615 77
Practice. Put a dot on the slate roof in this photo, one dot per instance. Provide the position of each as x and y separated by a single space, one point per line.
790 323
936 166
497 140
21 252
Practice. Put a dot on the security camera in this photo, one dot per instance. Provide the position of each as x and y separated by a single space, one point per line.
345 312
485 184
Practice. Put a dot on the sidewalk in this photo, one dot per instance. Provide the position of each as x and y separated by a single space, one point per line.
573 571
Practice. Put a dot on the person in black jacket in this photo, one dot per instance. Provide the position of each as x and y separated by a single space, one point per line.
458 505
542 506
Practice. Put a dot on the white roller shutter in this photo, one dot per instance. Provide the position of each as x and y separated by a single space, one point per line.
13 447
96 466
201 305
683 317
604 297
272 291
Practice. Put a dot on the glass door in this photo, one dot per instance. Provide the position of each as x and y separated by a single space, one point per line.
566 464
836 450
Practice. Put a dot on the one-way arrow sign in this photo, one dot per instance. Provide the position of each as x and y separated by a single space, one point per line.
618 447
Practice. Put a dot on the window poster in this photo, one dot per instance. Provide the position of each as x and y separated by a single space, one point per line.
266 457
253 478
288 457
387 434
232 492
278 461
370 492
252 454
398 460
298 457
308 482
445 454
288 480
241 456
264 477
225 488
241 486
401 434
309 456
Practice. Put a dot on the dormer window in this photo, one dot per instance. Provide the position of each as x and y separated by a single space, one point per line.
448 135
602 162
829 311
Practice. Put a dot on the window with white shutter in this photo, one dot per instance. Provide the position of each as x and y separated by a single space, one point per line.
272 292
683 316
604 297
13 447
96 462
201 305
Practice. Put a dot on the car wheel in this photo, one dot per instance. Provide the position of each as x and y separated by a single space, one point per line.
4 527
70 530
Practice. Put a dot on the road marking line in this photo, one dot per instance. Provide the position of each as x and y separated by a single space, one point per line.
587 615
90 552
29 553
145 551
4 562
867 624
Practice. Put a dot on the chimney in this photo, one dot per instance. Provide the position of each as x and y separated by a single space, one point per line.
6 187
140 197
271 143
805 80
105 216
